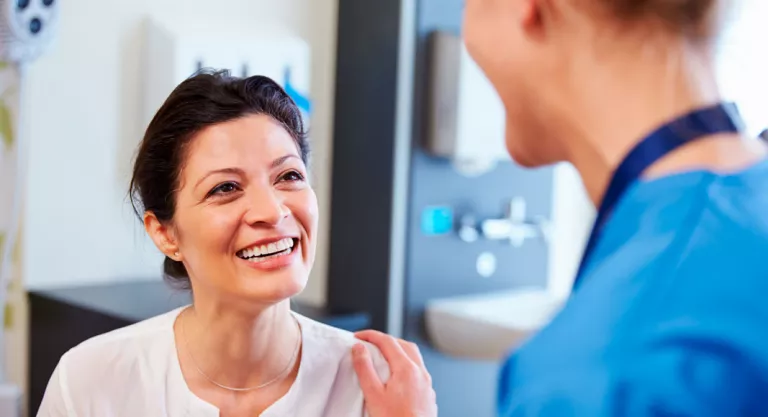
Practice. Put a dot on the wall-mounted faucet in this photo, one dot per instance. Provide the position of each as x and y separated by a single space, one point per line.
515 226
468 229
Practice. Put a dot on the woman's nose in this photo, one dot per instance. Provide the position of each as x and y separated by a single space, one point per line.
266 207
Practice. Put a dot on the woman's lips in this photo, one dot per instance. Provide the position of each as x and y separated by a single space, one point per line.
276 258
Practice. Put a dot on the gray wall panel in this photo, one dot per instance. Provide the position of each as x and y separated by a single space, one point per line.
363 194
444 266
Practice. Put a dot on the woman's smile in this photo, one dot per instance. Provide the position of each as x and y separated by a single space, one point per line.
271 254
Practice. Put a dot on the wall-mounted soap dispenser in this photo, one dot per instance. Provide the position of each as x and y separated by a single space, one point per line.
465 119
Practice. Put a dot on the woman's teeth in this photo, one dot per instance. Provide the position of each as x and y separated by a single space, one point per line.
259 253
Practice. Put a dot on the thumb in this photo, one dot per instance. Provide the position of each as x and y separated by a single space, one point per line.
366 373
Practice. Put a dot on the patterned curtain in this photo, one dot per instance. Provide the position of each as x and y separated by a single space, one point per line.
11 200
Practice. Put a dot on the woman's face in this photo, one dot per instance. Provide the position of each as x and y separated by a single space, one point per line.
246 216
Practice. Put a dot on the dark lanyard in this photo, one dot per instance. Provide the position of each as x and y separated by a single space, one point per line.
717 119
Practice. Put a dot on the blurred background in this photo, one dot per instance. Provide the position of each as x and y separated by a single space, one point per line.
428 230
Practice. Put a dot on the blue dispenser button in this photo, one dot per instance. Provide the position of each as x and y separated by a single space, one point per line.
437 220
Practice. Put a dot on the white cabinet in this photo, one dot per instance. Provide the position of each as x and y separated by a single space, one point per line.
174 51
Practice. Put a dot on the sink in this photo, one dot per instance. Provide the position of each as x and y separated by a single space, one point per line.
488 326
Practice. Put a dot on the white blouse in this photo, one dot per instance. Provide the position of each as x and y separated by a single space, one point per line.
135 371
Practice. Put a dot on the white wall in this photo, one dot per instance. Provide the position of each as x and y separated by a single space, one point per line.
82 104
743 62
572 217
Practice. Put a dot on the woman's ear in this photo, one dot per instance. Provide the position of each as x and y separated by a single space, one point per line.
530 12
163 235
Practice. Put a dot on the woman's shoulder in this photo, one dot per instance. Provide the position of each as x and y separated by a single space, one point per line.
330 337
321 331
137 336
120 352
327 374
132 361
334 345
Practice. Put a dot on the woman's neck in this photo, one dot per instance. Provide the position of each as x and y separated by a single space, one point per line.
240 349
624 100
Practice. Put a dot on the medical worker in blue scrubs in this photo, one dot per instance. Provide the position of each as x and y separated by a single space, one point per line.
669 312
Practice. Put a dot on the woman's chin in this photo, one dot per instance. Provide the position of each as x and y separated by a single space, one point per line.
525 157
274 288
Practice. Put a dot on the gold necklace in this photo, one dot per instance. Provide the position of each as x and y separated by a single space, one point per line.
282 373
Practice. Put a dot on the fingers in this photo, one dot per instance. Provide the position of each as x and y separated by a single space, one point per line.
384 343
413 352
366 373
389 347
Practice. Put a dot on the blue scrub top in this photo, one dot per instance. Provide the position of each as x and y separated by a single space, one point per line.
671 317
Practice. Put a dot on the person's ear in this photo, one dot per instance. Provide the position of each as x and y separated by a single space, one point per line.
530 13
163 235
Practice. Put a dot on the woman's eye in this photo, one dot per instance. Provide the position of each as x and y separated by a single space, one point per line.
292 176
223 189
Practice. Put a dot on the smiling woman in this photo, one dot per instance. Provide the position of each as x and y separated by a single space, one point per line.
220 183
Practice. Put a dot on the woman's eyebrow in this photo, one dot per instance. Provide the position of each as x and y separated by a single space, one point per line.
276 163
236 171
281 160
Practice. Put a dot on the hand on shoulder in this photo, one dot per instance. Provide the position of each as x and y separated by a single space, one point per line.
408 392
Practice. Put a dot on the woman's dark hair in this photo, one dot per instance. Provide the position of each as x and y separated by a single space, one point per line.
207 98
